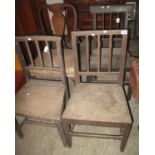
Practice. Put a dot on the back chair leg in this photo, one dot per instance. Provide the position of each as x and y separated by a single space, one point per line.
18 129
126 134
61 132
67 129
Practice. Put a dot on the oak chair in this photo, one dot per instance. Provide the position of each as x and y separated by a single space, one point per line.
102 101
42 99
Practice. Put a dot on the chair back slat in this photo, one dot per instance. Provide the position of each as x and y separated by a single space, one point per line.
110 16
117 21
102 21
39 54
100 61
49 56
87 54
29 53
99 54
110 53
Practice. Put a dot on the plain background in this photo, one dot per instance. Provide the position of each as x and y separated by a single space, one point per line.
147 77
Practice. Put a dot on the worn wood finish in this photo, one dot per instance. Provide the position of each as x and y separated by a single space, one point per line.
98 104
42 101
126 134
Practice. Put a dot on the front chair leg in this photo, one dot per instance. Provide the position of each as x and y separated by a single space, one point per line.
67 129
18 129
126 134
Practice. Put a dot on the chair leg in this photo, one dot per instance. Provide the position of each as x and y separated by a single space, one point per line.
67 129
61 132
126 134
129 93
18 129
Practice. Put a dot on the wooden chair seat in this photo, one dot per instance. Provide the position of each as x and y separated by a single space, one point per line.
40 99
98 102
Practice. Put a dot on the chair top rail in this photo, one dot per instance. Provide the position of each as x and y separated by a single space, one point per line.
100 32
38 38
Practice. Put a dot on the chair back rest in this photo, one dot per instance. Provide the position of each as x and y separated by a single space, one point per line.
36 55
99 62
59 18
110 16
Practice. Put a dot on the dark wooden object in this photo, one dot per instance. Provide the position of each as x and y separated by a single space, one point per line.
98 104
41 100
27 17
59 20
85 19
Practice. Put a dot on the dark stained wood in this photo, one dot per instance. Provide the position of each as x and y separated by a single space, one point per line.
59 21
27 17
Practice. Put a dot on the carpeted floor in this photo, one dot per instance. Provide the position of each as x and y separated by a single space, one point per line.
45 140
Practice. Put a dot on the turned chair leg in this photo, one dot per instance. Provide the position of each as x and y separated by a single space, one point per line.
67 129
18 129
126 133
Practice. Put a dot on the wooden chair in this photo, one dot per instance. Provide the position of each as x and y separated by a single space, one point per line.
101 102
110 17
59 20
42 99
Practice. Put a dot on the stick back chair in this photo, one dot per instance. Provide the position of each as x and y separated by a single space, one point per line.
110 17
42 99
100 102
